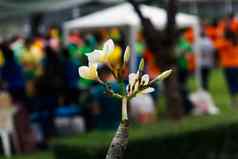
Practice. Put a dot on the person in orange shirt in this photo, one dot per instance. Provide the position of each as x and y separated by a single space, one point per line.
233 23
228 52
212 30
189 35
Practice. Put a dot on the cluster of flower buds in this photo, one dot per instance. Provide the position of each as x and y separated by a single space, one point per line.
141 84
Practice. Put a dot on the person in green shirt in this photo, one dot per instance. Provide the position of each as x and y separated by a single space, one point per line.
183 47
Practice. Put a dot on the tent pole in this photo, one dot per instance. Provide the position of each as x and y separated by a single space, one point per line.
197 30
197 55
65 35
132 42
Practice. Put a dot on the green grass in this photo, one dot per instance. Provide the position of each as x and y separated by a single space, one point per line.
163 128
218 90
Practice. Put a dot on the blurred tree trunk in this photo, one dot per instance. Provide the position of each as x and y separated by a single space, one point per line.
162 44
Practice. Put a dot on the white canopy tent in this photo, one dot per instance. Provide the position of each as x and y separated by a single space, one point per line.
124 15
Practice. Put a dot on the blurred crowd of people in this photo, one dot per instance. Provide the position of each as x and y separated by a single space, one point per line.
219 48
39 76
216 47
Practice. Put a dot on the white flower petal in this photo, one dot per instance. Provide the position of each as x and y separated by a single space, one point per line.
145 79
147 90
97 56
83 71
88 72
108 46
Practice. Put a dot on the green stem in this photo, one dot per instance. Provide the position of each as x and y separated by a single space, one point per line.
108 90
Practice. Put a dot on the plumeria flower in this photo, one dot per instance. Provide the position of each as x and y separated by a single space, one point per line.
107 55
111 56
89 72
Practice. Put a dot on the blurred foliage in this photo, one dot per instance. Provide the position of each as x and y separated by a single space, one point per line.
193 137
42 155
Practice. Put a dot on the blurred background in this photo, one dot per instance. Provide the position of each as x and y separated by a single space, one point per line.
47 111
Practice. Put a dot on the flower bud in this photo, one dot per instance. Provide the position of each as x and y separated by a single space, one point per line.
164 75
142 64
126 54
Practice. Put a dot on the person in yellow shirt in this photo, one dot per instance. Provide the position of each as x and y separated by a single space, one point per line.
29 61
1 58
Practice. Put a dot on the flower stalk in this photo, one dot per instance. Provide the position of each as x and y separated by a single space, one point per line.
119 142
124 109
138 84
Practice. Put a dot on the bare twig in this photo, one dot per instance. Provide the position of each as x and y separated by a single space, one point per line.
109 91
